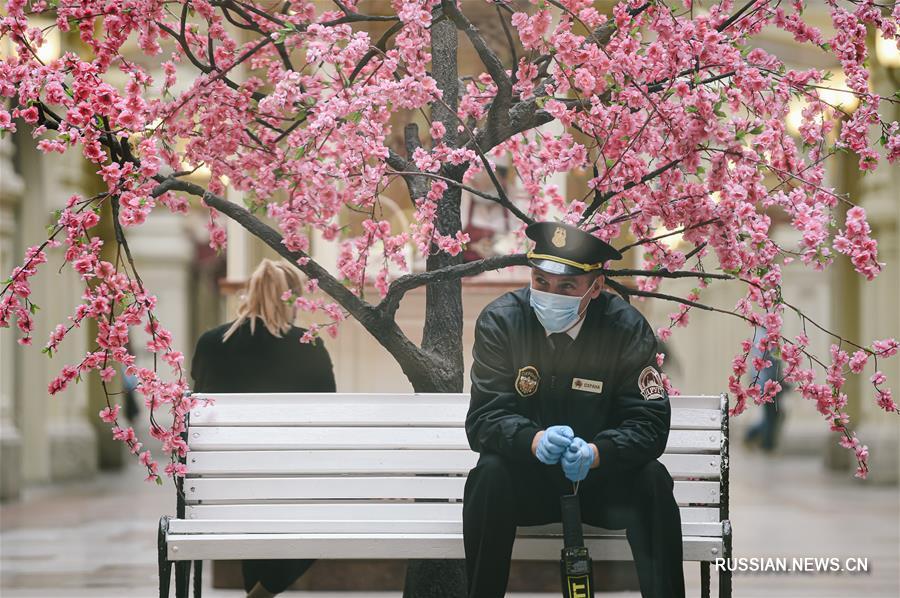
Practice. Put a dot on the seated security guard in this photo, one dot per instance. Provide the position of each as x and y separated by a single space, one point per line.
565 392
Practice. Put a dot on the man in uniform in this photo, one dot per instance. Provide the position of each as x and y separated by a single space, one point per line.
566 395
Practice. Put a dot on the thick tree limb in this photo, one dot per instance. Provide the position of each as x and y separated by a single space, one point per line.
526 115
406 283
397 162
498 114
419 365
380 47
356 306
442 333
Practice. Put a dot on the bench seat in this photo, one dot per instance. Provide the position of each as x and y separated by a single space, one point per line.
355 476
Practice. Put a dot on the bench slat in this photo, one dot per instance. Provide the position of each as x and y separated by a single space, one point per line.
436 399
335 398
330 462
401 546
354 511
391 413
374 488
245 463
290 438
415 526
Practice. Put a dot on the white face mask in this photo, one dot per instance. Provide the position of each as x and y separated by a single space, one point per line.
556 313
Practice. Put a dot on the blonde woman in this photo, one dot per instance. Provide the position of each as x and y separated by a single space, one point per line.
261 351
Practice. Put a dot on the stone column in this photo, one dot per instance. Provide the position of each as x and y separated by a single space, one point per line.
879 315
10 440
72 440
846 315
58 441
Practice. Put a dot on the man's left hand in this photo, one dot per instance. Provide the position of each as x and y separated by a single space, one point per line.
577 460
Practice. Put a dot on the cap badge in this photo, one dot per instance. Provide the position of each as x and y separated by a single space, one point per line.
527 381
559 237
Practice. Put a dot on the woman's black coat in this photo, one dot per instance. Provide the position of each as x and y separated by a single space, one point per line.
260 362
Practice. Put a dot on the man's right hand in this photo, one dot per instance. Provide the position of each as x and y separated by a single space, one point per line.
550 444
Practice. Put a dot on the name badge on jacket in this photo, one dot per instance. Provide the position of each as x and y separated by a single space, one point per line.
587 385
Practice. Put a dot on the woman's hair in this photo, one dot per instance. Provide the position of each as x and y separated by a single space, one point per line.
263 300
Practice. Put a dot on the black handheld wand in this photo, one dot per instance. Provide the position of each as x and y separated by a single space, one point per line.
575 562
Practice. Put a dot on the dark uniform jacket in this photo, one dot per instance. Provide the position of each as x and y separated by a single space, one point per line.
605 385
260 362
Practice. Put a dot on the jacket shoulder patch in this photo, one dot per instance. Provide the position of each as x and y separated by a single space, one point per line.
650 384
527 381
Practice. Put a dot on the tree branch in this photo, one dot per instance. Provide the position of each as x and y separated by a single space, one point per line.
498 114
380 47
625 291
503 200
666 274
404 284
733 18
514 60
356 306
674 232
601 199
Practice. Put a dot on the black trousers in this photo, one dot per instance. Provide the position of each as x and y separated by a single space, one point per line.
501 495
275 575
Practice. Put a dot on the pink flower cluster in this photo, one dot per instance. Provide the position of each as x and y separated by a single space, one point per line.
856 242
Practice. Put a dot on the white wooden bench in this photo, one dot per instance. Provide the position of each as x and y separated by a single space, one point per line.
355 476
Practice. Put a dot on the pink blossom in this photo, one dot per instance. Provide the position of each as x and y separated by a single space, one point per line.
886 348
109 414
878 378
858 361
29 115
176 469
437 130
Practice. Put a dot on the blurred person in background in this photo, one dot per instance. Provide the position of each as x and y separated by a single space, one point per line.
261 352
764 433
485 221
129 390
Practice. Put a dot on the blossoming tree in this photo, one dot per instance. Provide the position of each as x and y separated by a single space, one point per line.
675 110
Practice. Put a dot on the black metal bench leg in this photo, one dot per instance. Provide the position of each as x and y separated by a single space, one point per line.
165 565
724 572
725 584
704 579
182 579
198 578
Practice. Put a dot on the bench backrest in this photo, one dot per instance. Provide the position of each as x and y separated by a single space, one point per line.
317 456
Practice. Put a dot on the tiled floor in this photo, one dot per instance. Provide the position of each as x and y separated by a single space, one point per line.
98 539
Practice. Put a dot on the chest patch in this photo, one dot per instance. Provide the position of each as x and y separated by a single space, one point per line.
527 381
587 385
650 384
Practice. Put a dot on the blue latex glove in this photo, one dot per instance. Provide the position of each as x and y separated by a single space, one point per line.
577 460
553 444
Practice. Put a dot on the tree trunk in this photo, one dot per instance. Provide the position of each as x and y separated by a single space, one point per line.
442 335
